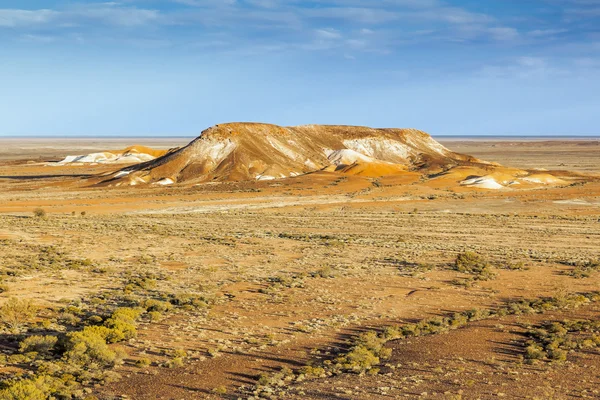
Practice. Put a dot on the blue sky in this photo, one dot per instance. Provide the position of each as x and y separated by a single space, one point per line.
175 67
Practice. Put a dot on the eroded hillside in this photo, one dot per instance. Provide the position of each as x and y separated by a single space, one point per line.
251 151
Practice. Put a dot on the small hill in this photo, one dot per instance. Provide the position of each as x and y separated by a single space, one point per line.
254 151
130 155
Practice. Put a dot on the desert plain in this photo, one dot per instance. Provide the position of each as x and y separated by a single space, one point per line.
326 285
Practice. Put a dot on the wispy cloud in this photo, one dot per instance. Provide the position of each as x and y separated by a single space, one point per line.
78 15
351 26
14 18
296 20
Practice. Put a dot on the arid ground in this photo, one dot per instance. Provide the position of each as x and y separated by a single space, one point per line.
321 286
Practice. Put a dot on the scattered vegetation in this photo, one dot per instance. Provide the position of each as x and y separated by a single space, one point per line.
584 269
367 350
174 272
554 340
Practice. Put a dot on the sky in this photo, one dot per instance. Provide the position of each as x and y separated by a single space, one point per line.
176 67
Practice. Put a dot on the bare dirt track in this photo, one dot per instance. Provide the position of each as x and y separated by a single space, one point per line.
261 276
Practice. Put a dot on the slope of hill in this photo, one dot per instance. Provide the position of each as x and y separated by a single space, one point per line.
253 151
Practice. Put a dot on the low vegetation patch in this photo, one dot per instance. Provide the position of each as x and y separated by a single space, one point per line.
553 341
72 348
584 269
67 360
39 213
366 351
474 264
15 314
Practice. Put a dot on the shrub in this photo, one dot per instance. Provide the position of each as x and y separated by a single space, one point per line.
367 352
220 390
187 299
143 363
67 318
180 353
469 262
156 305
36 388
39 344
119 330
177 362
553 340
534 352
307 370
154 316
585 269
25 389
121 325
474 264
15 313
39 213
127 314
88 347
95 319
324 272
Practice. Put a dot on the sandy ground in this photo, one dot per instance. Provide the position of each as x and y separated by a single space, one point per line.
289 269
573 155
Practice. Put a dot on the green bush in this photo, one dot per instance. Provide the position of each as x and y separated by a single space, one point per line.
122 324
39 344
474 264
143 363
188 299
15 313
177 362
553 340
42 387
156 305
89 347
220 390
154 316
367 352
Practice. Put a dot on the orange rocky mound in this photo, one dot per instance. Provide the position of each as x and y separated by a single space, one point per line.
252 151
130 155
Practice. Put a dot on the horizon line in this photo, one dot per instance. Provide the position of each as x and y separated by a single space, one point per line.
452 135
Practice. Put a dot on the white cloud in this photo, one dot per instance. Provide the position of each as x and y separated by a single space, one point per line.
381 26
16 18
546 32
106 13
328 34
122 17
